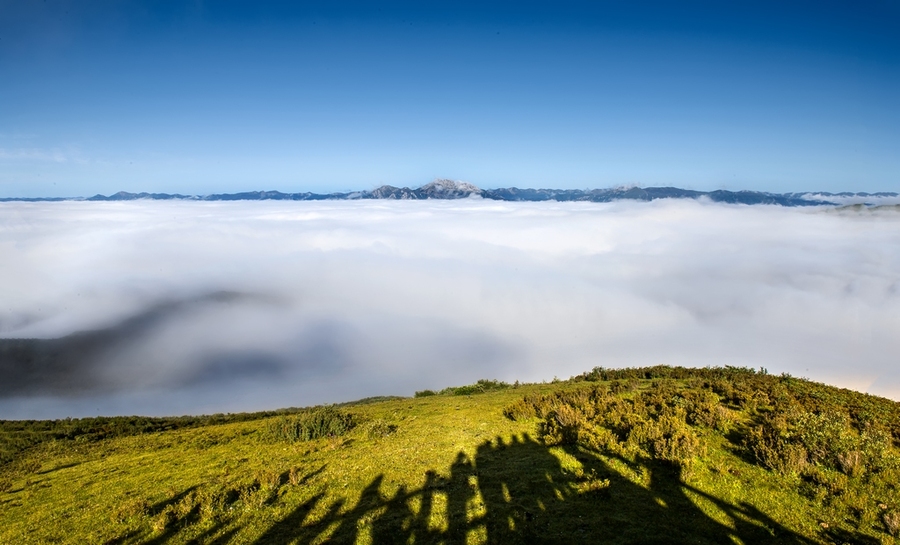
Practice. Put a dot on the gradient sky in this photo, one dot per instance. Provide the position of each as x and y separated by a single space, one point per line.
197 97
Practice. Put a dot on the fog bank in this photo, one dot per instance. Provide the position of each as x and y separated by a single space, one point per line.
159 307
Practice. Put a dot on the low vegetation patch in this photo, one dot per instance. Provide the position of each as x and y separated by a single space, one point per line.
480 387
19 435
312 424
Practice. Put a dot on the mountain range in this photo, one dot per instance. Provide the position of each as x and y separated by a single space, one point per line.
450 189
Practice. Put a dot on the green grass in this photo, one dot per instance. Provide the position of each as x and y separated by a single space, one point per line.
636 456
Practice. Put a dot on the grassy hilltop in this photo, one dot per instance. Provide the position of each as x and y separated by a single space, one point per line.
656 455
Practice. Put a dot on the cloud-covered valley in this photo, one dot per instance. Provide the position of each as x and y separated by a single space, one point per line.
158 307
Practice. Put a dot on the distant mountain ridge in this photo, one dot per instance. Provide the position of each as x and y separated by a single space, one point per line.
450 189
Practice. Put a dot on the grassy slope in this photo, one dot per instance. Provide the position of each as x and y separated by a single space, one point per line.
455 471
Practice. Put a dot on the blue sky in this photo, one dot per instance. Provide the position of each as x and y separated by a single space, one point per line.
97 97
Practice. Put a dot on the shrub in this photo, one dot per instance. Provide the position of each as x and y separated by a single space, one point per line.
771 445
723 388
665 386
703 408
641 435
19 435
543 405
875 444
520 410
483 385
677 443
532 405
755 401
313 424
594 375
649 423
666 438
617 387
624 386
724 419
824 435
600 439
621 415
562 426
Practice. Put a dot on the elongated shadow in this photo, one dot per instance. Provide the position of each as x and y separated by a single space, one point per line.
521 492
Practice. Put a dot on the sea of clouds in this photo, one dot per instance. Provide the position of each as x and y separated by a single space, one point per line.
198 307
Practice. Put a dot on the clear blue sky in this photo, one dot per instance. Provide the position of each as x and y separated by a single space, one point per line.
200 97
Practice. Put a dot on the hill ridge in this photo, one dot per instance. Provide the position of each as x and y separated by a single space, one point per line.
445 189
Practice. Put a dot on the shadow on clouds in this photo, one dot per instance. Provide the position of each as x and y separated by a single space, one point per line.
178 355
77 364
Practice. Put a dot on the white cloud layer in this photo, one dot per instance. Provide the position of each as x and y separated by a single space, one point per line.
235 306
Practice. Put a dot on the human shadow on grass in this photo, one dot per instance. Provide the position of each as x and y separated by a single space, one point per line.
521 492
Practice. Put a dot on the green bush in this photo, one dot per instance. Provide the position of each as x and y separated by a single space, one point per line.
787 441
666 437
755 401
825 435
702 408
665 386
773 445
705 409
563 426
313 424
483 385
677 444
875 445
520 410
